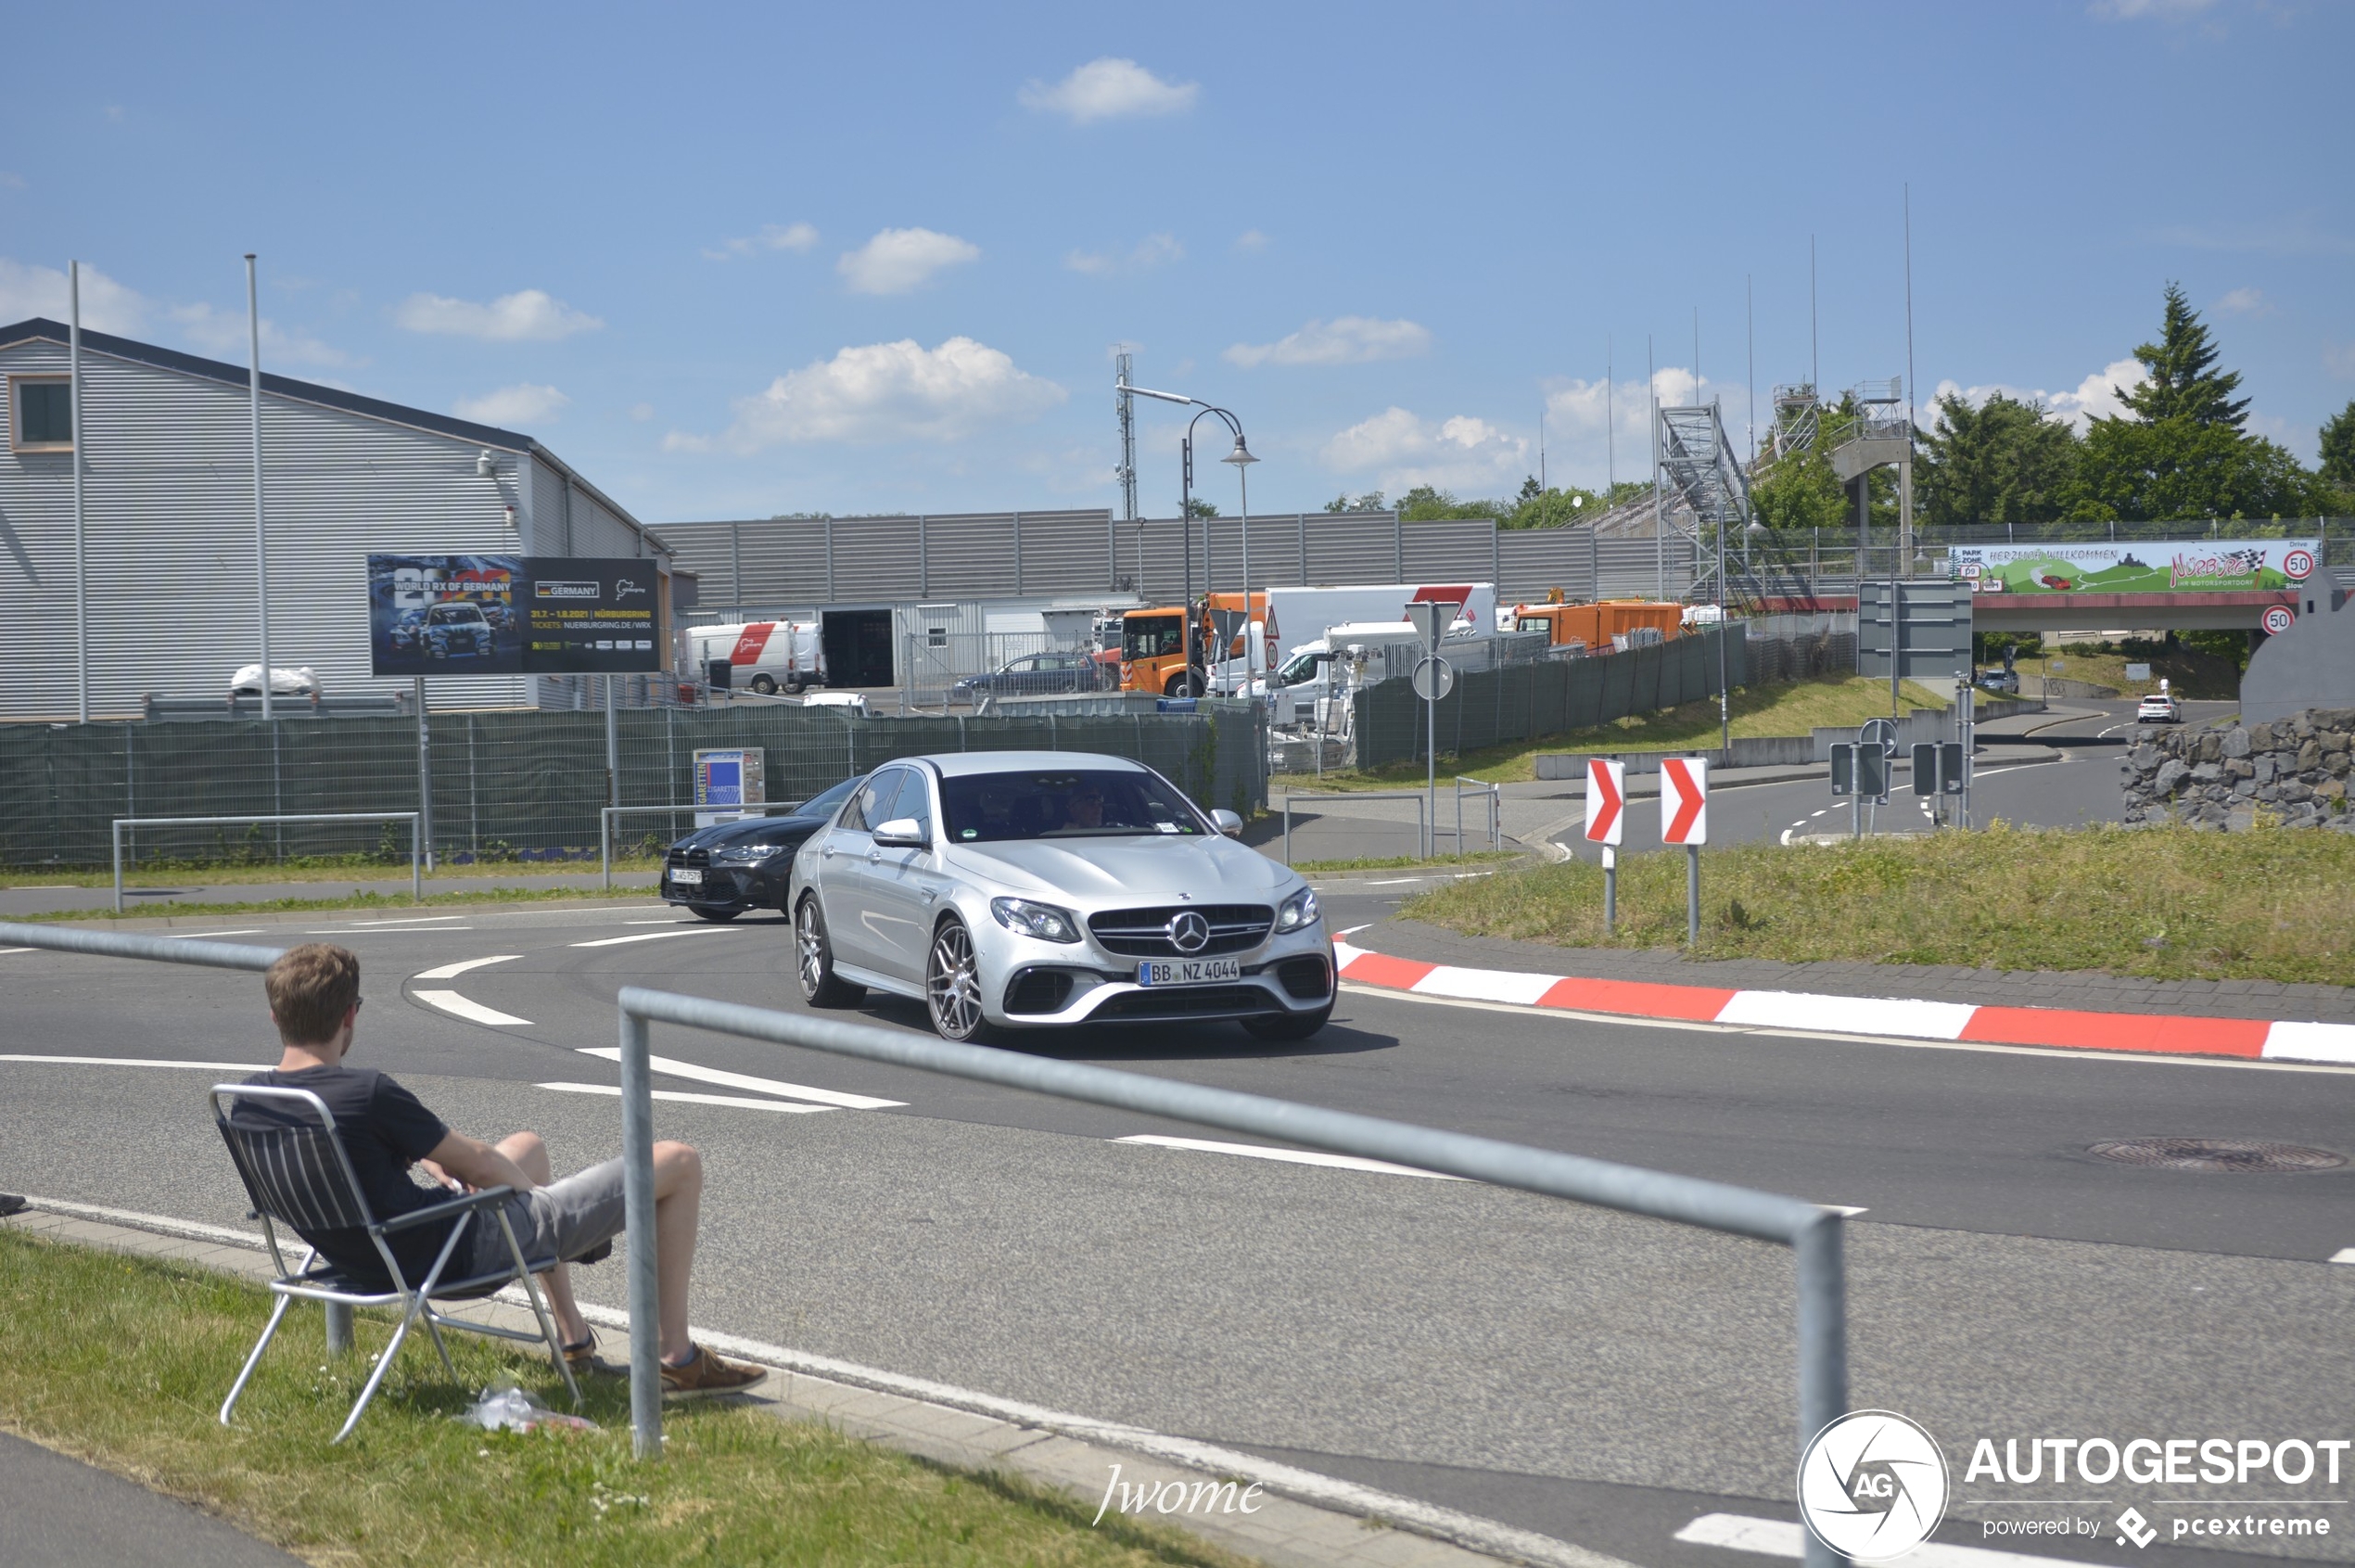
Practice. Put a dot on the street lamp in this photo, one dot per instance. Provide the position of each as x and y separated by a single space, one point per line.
1243 460
1241 455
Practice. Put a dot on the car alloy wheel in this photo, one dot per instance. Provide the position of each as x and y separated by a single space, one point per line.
820 986
952 983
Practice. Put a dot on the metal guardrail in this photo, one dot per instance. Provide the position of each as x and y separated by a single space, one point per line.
416 837
1815 1235
1490 796
1422 807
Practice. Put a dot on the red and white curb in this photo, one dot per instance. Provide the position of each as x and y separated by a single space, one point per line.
2061 1029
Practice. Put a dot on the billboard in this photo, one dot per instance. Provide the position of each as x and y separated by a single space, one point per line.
513 615
2191 566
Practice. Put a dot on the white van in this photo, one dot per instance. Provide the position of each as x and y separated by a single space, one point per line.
767 656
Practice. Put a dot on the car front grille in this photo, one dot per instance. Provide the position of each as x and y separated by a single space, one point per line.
1145 932
690 858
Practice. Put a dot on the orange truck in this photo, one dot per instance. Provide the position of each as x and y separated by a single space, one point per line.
1152 649
1594 625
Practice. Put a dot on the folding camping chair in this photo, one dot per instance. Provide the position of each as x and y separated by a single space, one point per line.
295 1170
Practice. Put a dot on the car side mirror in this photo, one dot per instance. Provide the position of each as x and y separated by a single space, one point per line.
901 833
1228 823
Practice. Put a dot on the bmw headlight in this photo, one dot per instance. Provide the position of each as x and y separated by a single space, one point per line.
743 854
1043 921
1299 911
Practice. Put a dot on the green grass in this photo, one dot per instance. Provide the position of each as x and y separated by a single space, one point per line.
1790 708
357 900
2188 674
321 869
122 1362
1410 862
2170 903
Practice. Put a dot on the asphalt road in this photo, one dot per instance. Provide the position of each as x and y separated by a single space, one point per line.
1579 1372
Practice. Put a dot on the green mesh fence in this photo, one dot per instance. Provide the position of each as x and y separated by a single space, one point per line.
515 785
1522 702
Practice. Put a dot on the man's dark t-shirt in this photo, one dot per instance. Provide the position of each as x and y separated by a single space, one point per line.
385 1131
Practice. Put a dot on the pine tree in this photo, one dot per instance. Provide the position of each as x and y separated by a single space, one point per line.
2183 380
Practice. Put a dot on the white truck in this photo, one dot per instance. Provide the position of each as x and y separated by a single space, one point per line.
1296 617
765 656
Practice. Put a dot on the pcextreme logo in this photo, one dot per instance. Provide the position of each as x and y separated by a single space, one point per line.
1872 1485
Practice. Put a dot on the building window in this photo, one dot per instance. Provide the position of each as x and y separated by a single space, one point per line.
938 637
41 414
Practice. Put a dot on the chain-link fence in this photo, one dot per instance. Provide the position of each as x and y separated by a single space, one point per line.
518 784
942 668
1524 701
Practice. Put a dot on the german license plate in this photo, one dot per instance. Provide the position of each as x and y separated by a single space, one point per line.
1190 971
686 878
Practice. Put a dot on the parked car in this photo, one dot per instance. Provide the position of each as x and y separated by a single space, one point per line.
720 871
300 682
2002 682
2159 708
1043 889
1035 675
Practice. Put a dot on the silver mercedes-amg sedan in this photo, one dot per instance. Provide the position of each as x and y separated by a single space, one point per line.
1033 890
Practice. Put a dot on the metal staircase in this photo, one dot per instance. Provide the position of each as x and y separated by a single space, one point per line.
1700 470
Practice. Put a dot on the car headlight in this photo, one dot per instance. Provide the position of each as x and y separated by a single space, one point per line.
1299 911
1043 921
743 854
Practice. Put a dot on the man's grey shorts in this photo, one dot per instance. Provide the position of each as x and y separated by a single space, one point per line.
561 1220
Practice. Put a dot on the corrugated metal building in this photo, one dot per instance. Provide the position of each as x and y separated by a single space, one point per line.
169 561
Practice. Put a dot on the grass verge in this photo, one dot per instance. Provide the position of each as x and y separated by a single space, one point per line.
2188 674
1412 863
368 901
122 1362
2169 903
1790 708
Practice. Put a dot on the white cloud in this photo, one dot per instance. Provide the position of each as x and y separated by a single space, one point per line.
898 260
1250 242
642 412
1343 340
1402 451
2339 359
1599 430
885 392
1110 89
2138 10
523 404
1154 250
774 237
106 306
526 316
2246 303
225 334
2096 397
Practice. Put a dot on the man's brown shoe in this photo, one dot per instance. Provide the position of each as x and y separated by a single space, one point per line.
709 1374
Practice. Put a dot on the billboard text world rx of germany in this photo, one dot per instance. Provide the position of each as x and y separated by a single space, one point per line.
2190 566
513 615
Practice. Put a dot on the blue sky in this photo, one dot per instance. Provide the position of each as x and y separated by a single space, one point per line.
733 260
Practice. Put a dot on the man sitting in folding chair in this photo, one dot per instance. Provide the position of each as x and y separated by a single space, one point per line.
326 1149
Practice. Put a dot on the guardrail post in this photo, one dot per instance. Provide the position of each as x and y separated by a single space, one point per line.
339 1340
1823 1344
638 1198
117 834
604 844
416 859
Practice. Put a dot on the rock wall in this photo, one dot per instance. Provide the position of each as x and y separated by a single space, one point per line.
2294 769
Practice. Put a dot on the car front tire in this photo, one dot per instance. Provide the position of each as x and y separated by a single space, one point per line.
766 686
815 960
1290 1026
952 986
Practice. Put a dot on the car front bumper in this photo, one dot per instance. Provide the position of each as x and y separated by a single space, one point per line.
1030 984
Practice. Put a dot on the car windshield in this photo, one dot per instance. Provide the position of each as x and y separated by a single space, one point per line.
988 808
830 801
1152 636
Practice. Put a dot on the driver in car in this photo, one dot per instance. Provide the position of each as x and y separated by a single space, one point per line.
1087 808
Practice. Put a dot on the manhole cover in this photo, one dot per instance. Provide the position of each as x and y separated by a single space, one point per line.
2218 1154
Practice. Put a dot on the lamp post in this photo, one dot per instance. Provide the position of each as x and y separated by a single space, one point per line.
1240 456
1243 460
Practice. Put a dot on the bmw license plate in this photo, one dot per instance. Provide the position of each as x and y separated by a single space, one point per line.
1190 971
686 878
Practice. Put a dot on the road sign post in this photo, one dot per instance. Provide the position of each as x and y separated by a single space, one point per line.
1683 819
1430 618
1606 824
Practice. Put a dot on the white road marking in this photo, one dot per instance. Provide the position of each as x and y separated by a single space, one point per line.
659 936
1355 929
689 1097
378 931
663 922
193 936
1288 1156
162 1222
1777 1537
677 1068
2343 1254
472 1011
142 1062
15 949
1396 881
1842 1210
451 970
412 920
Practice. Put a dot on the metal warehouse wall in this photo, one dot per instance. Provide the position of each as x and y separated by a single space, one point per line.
168 489
764 562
